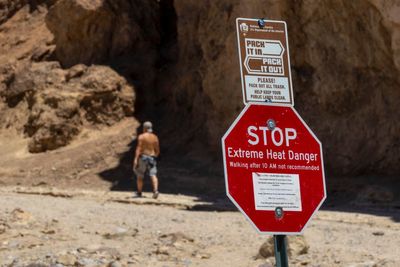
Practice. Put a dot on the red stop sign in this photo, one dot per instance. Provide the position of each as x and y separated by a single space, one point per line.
274 170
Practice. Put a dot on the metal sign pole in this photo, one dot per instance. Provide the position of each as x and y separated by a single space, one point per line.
280 251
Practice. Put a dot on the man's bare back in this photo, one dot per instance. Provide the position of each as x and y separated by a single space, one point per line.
148 144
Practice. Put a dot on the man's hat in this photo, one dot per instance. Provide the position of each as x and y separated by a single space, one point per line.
147 125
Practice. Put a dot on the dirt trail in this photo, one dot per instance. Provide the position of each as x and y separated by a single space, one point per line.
98 228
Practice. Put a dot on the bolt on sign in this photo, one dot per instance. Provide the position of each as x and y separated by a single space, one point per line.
264 61
274 170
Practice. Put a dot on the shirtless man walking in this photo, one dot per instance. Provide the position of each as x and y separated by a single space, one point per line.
147 150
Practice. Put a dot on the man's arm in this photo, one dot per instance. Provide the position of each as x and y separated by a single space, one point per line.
137 152
157 147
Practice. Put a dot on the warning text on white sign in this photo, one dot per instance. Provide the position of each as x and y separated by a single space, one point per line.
273 190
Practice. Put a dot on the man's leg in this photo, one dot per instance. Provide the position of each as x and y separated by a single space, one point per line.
153 178
139 170
139 183
154 183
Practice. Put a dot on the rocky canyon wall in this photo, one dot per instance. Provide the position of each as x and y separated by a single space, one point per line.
69 64
345 67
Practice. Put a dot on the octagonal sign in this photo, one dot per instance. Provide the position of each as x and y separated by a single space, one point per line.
274 170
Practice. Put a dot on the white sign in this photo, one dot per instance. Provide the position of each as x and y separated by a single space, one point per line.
264 62
273 190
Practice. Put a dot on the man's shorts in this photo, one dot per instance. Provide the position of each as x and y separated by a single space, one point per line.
146 165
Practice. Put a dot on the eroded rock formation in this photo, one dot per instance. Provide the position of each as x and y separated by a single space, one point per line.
52 105
46 103
181 58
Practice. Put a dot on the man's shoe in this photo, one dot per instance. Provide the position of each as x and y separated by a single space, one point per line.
137 195
155 194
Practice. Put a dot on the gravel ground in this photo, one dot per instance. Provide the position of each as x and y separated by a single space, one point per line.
93 229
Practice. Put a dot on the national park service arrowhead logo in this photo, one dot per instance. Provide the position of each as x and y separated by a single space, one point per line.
244 27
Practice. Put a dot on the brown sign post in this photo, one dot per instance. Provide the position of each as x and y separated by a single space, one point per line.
264 61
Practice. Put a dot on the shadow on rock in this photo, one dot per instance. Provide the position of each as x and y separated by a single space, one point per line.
122 177
375 195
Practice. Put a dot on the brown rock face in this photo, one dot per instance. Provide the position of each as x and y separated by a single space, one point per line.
53 105
122 34
9 7
94 31
345 66
181 58
347 82
46 103
82 30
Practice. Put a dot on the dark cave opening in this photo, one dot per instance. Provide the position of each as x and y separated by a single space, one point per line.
153 96
168 34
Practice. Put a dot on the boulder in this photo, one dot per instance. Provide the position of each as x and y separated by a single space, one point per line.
20 218
58 103
67 259
296 245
